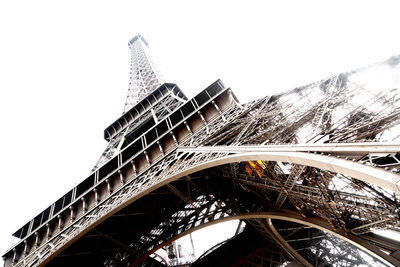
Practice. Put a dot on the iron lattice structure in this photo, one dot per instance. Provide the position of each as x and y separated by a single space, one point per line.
144 76
312 173
144 79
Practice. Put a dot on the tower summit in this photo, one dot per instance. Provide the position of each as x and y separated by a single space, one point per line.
144 76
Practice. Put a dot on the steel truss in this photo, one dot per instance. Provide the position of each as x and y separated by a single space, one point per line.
319 164
144 76
159 111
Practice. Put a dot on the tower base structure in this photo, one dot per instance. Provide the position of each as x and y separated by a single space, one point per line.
312 172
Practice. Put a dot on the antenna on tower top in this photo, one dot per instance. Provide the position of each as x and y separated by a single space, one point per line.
136 38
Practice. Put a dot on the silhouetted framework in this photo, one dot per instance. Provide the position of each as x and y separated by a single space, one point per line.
312 173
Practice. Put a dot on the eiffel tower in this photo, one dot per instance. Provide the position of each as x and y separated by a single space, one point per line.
311 174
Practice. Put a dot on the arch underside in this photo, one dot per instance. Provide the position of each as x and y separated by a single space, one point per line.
297 193
205 195
349 195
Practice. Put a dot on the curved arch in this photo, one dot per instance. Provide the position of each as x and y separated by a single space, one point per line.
291 216
382 178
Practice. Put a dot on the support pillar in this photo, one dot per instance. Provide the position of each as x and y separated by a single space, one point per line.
109 189
121 177
96 196
84 205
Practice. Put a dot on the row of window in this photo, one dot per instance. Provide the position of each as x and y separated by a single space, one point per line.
135 147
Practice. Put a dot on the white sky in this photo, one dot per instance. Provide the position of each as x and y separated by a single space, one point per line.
64 71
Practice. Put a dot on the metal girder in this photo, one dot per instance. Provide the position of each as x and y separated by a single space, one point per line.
341 158
118 243
294 175
345 149
371 174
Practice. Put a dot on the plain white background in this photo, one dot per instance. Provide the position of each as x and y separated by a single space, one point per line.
64 70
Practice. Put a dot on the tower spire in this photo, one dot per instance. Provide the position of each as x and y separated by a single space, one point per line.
144 76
